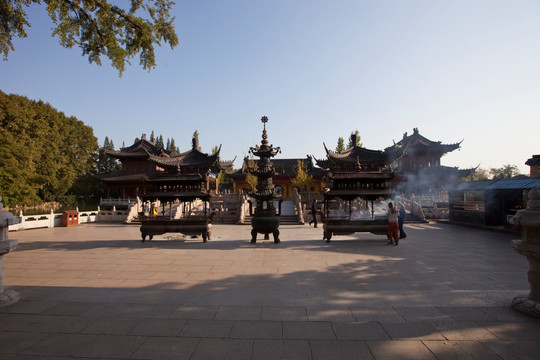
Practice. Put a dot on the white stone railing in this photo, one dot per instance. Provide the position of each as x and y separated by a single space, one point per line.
50 220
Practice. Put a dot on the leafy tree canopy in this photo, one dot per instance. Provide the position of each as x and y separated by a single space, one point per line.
507 171
302 179
42 151
98 27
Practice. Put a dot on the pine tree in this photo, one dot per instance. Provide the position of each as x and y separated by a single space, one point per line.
353 143
340 145
159 142
174 150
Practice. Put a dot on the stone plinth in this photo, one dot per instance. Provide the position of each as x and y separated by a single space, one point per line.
529 246
7 297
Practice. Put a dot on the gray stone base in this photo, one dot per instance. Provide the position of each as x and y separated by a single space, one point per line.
526 306
8 297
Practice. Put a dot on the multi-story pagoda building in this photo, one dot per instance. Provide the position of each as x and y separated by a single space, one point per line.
417 162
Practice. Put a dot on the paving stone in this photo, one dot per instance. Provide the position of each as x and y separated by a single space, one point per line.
506 313
287 313
281 350
521 331
464 313
301 330
59 345
64 324
166 348
360 331
207 328
422 313
111 346
342 350
464 331
15 342
111 326
70 308
322 314
158 327
458 350
219 349
377 314
412 331
195 312
510 350
239 313
400 350
257 330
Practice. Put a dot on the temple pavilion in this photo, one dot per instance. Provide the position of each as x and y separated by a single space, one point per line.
144 162
361 182
417 162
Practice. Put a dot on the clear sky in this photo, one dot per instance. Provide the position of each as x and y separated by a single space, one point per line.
456 70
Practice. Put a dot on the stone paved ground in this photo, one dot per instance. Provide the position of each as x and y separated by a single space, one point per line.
96 291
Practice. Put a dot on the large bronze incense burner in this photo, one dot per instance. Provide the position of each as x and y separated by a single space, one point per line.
265 220
179 199
361 186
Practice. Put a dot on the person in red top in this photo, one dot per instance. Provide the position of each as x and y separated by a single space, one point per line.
393 227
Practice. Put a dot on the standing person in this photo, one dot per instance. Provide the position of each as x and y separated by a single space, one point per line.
401 220
393 226
314 213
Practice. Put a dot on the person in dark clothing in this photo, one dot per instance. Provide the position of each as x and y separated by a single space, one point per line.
401 220
314 213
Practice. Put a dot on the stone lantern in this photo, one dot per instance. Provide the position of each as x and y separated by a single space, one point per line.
265 220
529 246
7 297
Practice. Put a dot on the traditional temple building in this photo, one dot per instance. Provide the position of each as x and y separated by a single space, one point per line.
359 167
285 171
130 181
417 161
144 161
534 164
361 182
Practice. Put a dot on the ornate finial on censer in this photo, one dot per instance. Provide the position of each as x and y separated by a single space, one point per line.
264 120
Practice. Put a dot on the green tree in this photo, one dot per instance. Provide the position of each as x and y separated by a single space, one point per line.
302 179
251 180
42 150
98 27
159 142
152 136
340 145
507 171
174 149
196 139
479 174
105 163
352 142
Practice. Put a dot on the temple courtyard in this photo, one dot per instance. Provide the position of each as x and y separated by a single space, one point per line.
96 291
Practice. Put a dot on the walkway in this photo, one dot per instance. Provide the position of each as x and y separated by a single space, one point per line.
95 291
